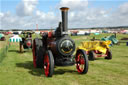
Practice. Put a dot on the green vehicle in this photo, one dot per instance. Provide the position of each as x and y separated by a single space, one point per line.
2 37
112 38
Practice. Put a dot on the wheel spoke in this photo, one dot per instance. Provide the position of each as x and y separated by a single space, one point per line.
82 61
46 64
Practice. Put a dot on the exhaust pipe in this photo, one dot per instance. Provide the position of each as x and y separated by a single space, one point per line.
64 11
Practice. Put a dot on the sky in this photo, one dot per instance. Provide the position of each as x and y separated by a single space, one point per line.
25 14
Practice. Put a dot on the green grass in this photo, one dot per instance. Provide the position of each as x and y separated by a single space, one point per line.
17 68
4 45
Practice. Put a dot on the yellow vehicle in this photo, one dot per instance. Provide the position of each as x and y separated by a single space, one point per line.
96 49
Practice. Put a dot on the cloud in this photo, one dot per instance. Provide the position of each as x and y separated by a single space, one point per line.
46 20
121 15
43 15
99 17
74 4
9 21
80 16
91 17
123 9
1 14
26 7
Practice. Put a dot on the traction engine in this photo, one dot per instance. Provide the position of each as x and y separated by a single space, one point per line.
57 48
26 42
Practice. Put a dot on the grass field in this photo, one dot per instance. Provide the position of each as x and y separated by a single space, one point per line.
2 44
17 68
4 48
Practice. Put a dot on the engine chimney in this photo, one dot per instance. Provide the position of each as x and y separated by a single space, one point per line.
64 18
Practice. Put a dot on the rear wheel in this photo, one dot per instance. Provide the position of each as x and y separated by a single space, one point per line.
49 64
109 54
37 53
81 61
91 55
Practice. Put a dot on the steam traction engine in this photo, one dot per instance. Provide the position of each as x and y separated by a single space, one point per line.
26 42
57 48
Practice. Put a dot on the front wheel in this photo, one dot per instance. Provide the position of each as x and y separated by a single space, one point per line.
48 64
81 61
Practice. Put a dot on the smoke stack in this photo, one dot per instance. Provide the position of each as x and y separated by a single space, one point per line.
64 11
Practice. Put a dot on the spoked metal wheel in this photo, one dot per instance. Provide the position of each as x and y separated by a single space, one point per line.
48 64
81 61
34 53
